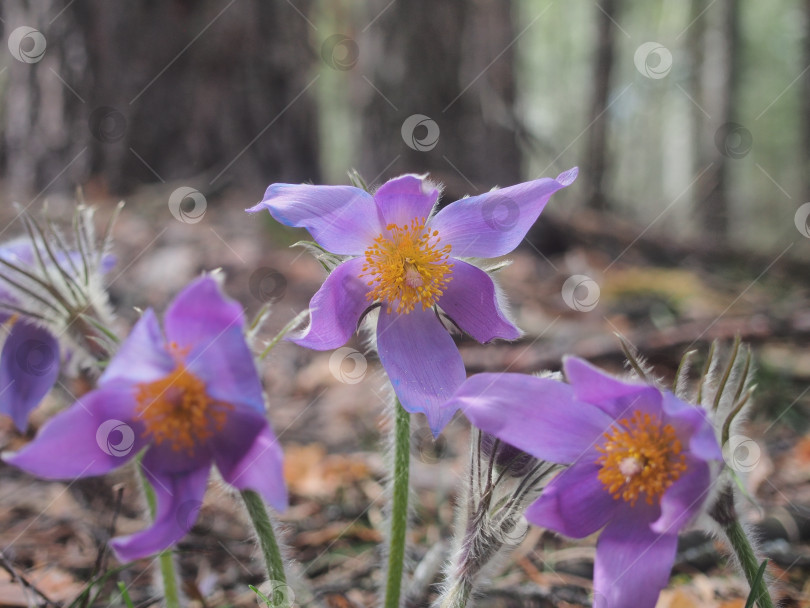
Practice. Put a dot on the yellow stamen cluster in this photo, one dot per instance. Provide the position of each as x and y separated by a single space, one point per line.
640 456
177 409
407 266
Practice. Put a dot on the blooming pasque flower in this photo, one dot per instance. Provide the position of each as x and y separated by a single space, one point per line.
397 254
29 362
640 465
190 395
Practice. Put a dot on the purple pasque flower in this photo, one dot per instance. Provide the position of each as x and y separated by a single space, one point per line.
29 361
642 465
189 395
398 255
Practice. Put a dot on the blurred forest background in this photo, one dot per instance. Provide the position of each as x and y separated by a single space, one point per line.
689 120
690 114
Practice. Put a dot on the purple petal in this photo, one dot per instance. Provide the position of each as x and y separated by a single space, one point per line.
259 469
29 367
693 427
633 563
575 503
142 357
471 302
200 314
422 362
405 198
538 415
93 436
179 498
681 503
617 398
342 219
336 308
493 224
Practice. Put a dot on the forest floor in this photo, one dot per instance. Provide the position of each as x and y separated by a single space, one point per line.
51 533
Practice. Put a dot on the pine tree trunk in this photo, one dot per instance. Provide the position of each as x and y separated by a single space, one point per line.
439 91
596 160
160 91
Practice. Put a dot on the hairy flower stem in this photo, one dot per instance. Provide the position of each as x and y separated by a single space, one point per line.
458 595
724 513
267 539
171 596
745 553
399 506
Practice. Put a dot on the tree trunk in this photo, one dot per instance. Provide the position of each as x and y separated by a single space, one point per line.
804 109
596 163
439 90
726 140
159 91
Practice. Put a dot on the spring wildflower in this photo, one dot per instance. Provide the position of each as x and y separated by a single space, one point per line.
641 466
395 253
187 396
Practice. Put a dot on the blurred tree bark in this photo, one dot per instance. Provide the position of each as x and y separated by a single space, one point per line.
721 139
596 163
439 91
160 91
804 109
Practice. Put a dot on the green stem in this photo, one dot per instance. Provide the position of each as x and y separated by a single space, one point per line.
167 570
399 507
745 553
267 539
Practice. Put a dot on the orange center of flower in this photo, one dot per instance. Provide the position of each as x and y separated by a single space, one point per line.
177 409
640 456
407 266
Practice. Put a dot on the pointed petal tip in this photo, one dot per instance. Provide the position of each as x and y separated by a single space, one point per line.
566 178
